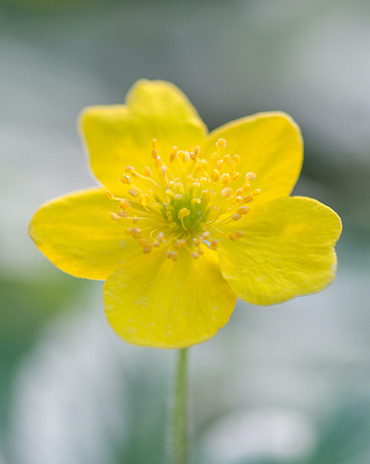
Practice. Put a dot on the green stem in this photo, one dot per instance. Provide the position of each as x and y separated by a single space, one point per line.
180 429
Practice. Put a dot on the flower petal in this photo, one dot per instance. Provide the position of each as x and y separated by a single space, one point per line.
120 135
270 145
287 250
77 234
154 301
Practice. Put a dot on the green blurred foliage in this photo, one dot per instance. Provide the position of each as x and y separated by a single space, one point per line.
26 306
42 6
148 413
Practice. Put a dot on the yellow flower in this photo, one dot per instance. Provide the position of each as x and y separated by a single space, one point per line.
185 221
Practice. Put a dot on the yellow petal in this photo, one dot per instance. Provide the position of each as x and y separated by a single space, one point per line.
270 145
77 234
120 135
287 250
154 301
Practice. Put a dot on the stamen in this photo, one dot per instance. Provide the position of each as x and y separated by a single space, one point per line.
226 192
133 192
172 255
183 156
250 176
248 199
243 210
160 237
158 162
235 160
187 203
154 148
215 175
183 213
219 165
236 235
194 153
180 244
225 178
172 186
144 200
221 143
255 192
125 179
180 187
203 165
124 204
227 159
173 154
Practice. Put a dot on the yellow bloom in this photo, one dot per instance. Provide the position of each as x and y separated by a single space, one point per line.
185 221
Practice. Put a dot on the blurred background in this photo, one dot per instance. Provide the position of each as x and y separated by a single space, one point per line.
278 385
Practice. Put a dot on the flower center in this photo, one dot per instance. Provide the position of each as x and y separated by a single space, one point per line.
184 204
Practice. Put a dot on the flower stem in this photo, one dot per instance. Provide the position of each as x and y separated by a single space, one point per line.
179 425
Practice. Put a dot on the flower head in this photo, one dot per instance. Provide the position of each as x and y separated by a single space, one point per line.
185 221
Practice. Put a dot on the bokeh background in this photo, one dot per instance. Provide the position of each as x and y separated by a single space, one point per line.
278 385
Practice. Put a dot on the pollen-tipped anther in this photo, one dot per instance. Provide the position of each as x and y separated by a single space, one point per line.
221 143
250 176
